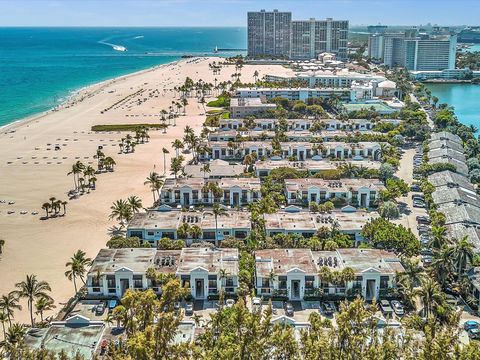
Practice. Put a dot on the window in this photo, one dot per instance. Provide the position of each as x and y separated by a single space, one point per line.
150 233
212 283
384 282
185 281
137 281
265 282
111 281
282 282
309 282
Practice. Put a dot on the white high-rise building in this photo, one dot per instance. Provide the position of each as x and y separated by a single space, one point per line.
436 53
313 37
269 33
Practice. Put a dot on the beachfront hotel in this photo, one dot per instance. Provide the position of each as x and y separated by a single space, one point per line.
293 273
274 34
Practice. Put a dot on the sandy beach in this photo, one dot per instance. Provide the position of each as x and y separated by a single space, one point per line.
32 171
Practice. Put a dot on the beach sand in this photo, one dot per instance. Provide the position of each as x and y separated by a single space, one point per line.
31 171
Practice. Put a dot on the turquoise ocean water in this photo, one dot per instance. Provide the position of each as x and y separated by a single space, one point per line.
39 67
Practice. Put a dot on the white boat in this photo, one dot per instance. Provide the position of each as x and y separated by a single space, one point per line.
119 48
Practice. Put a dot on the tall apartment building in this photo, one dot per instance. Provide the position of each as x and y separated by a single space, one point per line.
416 53
275 34
269 33
313 37
436 53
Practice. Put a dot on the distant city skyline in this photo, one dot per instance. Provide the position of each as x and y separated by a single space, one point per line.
231 12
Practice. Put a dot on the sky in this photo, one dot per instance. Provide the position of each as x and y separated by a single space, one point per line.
232 12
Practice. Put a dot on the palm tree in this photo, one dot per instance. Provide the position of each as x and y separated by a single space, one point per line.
155 184
165 152
176 165
135 203
413 270
8 304
439 238
32 289
42 305
196 231
255 75
177 145
15 335
46 206
183 230
463 254
3 320
2 244
77 169
218 210
110 163
442 267
121 211
430 295
77 267
205 169
64 204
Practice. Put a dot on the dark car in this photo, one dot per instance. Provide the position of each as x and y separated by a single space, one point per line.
100 309
328 308
423 220
415 187
189 309
288 309
474 333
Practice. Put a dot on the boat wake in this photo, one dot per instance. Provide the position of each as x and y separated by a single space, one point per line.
138 37
114 46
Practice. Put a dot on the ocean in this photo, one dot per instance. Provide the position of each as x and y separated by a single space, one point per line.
41 67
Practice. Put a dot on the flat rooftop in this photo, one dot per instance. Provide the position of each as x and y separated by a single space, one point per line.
71 338
282 261
341 185
212 260
313 165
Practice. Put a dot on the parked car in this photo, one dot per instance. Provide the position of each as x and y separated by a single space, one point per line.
328 308
397 307
427 259
474 333
418 204
112 304
189 309
256 304
471 324
415 187
386 308
100 309
229 303
423 220
288 307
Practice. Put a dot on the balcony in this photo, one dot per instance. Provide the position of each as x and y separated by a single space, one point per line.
310 292
230 290
265 290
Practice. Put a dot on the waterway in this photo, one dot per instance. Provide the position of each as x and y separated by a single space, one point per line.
465 98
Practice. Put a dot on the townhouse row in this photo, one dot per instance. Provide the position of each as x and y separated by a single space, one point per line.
287 273
164 222
300 151
301 124
361 193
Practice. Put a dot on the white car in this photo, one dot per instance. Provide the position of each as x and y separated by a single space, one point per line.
256 304
229 303
397 307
